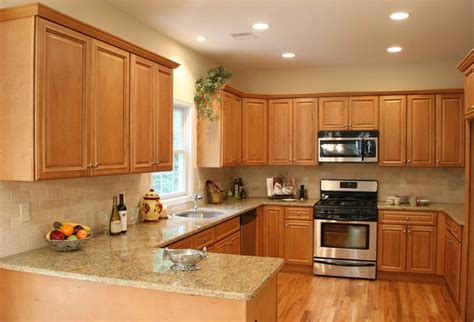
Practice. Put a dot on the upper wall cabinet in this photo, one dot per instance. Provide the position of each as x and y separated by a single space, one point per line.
65 95
353 113
254 131
421 131
292 131
219 141
150 116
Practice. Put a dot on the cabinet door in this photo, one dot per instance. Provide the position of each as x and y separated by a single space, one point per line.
298 242
259 238
110 140
254 132
227 131
280 128
452 265
62 104
364 113
393 131
421 249
234 244
237 128
449 130
391 252
421 131
142 107
305 130
183 243
333 113
273 218
469 90
164 119
221 247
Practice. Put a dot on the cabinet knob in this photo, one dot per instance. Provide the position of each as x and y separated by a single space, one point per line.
409 161
437 161
286 225
404 161
407 218
404 230
472 106
89 165
95 165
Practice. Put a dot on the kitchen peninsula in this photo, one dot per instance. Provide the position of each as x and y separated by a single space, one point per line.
226 287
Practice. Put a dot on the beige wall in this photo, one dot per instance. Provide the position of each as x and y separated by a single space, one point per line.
351 78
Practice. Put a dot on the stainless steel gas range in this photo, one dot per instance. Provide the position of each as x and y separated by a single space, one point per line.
345 228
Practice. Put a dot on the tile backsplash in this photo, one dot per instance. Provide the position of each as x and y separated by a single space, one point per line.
80 200
441 185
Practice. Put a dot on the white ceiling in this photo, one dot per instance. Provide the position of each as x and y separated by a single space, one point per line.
320 32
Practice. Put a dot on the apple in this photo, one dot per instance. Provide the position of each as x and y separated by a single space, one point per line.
56 235
72 237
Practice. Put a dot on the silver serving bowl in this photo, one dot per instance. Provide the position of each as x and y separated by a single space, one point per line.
185 259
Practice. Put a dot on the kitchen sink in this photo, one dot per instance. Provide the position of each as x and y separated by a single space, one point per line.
198 214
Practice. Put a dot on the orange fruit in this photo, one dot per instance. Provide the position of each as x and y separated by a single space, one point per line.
67 230
81 234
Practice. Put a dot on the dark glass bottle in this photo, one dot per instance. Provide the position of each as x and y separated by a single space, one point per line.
123 214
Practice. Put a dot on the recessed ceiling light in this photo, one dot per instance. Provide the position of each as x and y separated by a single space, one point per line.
288 55
201 38
394 49
260 26
399 15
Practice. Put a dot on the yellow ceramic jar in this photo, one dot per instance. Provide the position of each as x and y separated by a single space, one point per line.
151 207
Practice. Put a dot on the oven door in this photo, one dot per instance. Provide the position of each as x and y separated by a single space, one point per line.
340 149
354 240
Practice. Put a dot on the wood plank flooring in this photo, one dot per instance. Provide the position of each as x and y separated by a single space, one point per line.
304 297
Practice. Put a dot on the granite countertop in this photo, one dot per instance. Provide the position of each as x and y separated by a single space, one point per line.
135 259
454 210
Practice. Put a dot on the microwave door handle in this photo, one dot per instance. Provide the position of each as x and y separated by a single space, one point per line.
362 147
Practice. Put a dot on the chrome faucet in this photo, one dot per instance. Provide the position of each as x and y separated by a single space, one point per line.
196 199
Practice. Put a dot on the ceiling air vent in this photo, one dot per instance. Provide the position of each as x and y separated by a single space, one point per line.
243 36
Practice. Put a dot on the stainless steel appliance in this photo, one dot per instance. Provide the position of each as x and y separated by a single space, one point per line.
248 233
345 228
348 146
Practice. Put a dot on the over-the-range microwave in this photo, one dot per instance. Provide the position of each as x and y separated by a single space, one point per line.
348 146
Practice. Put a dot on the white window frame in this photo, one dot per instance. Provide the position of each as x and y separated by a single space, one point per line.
182 197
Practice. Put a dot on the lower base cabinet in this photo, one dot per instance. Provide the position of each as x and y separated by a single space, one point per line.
452 265
229 245
407 242
272 241
298 242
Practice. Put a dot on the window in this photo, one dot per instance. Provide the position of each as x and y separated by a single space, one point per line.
177 182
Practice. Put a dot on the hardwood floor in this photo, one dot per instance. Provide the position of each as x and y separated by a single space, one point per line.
304 297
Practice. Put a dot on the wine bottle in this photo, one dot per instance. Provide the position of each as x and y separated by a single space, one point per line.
122 209
115 224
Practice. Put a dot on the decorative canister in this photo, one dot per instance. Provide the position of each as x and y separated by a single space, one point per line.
151 207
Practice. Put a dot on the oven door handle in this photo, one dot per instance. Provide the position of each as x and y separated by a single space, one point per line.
344 263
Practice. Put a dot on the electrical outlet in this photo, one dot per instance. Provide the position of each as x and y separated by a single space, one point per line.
305 180
403 182
25 212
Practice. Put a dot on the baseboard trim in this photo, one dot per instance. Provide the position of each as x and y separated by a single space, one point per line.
292 268
411 277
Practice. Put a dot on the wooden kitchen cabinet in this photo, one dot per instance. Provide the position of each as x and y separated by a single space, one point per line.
421 249
391 248
348 113
151 116
407 242
421 131
333 113
66 94
363 113
292 131
229 245
142 111
469 92
298 242
273 234
110 109
254 131
305 131
452 265
61 121
393 131
450 130
280 127
219 141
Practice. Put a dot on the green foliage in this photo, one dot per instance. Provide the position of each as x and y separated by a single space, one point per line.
206 90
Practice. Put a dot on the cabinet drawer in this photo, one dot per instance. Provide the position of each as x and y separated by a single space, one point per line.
227 228
298 213
412 218
183 243
453 228
204 238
